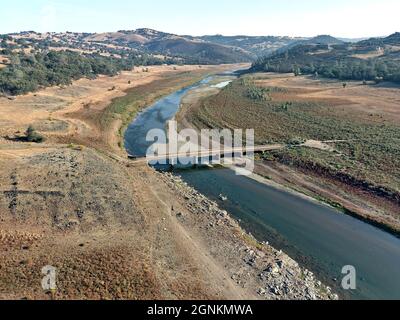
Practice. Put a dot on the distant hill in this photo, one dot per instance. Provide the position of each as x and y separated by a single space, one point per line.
211 47
393 39
255 45
323 39
132 37
318 40
197 50
117 37
203 52
373 59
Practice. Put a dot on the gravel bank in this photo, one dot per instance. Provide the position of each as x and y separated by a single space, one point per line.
252 265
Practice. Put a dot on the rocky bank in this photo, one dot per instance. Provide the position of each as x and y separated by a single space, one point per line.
252 265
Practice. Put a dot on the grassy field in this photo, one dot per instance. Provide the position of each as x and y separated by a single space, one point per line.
363 140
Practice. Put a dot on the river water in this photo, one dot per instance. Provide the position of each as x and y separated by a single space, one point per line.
319 237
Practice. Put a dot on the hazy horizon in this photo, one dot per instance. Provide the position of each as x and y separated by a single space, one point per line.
202 35
226 17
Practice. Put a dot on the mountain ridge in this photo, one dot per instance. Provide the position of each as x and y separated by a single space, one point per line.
206 49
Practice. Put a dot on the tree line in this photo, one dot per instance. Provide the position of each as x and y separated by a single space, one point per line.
29 72
331 65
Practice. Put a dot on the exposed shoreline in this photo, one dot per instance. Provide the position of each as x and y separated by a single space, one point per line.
274 274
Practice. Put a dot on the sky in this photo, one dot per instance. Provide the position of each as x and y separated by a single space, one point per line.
341 18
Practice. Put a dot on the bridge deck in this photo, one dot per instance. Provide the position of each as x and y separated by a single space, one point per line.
206 153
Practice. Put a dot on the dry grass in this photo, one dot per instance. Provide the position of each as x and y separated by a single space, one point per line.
366 56
358 99
108 229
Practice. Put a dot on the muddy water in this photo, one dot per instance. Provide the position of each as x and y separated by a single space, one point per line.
317 236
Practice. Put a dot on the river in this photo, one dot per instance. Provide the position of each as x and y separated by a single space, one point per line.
317 236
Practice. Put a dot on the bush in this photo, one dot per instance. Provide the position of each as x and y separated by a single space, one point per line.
296 141
33 136
256 93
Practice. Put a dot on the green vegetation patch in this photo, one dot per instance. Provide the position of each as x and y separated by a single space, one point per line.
29 72
337 62
368 151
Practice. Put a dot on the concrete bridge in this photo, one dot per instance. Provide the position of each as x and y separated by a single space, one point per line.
211 154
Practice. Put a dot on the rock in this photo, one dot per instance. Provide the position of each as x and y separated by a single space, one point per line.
261 291
250 252
274 291
72 224
27 262
260 254
251 262
274 269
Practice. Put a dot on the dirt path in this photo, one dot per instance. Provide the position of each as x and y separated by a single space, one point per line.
170 237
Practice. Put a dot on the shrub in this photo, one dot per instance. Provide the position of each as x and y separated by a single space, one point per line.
296 141
75 147
33 136
255 93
